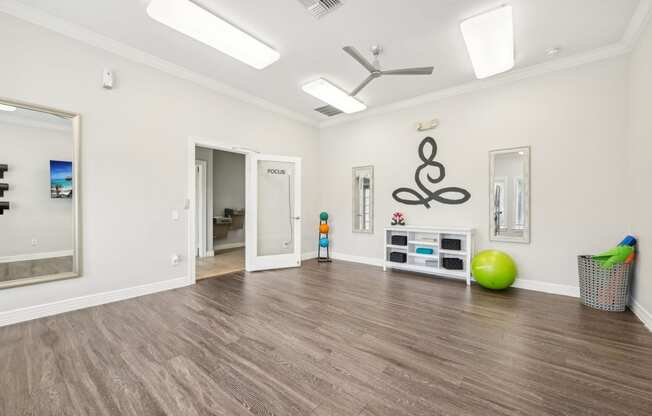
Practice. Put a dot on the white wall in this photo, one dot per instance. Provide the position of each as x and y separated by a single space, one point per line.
640 150
229 189
28 149
134 155
575 121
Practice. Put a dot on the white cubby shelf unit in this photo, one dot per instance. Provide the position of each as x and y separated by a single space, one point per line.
430 238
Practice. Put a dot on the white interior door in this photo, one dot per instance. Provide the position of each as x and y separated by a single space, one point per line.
273 217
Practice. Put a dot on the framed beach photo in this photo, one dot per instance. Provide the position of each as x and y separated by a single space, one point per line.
60 179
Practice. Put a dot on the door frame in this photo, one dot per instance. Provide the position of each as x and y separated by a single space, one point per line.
201 168
193 143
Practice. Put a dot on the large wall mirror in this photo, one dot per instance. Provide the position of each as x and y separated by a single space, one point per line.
363 199
509 212
39 194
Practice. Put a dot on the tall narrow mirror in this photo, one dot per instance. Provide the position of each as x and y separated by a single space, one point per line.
39 207
509 212
363 199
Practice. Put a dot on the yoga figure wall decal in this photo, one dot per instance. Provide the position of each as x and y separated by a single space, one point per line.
425 177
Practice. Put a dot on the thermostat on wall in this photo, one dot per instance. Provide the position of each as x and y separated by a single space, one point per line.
107 79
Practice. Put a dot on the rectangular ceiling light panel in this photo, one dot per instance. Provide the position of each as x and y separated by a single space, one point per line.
330 94
489 39
198 23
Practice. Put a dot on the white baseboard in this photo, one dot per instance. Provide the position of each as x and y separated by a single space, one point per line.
358 259
545 287
36 256
227 246
644 315
82 302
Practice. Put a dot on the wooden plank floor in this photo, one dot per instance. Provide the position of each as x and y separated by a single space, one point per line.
330 339
223 262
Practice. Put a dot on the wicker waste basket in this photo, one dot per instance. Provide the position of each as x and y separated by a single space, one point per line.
604 289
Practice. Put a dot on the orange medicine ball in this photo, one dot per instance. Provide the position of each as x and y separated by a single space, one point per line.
324 228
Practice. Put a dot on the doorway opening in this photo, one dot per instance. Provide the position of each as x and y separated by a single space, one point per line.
264 231
220 197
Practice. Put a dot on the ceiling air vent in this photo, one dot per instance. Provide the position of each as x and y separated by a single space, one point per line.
320 8
328 110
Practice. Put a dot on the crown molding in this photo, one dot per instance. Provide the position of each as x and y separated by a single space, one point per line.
638 23
642 16
608 52
84 35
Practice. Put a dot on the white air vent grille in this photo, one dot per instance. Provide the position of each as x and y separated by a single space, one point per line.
320 8
328 110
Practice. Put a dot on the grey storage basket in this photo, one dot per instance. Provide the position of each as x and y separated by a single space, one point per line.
604 289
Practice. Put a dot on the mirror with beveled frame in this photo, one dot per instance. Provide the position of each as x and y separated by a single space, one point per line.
39 206
509 195
363 199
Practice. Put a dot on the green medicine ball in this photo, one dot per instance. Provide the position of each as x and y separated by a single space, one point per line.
323 216
494 269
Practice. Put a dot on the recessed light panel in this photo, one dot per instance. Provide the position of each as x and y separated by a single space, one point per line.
330 94
489 39
191 20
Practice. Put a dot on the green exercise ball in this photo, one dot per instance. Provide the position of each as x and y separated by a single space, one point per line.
323 216
493 269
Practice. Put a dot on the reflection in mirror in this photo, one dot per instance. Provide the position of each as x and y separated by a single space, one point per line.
363 199
510 195
38 230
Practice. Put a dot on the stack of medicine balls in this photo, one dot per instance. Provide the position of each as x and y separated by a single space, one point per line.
324 242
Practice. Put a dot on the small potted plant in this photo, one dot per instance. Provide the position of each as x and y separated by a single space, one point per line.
398 218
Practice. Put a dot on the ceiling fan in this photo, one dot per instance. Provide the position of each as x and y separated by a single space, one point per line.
375 69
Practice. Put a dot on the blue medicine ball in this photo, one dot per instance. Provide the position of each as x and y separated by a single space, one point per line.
323 242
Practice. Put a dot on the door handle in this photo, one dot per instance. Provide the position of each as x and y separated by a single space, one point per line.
296 218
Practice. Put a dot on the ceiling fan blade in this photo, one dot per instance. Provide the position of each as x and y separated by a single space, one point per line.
361 86
358 57
410 71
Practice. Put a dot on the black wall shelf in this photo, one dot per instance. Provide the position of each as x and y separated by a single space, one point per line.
3 169
3 188
3 207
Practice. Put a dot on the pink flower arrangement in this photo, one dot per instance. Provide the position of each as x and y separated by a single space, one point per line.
398 218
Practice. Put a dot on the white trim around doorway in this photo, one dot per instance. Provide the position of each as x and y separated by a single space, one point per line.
193 143
201 193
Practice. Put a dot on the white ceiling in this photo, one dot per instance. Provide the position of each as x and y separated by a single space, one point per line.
413 33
